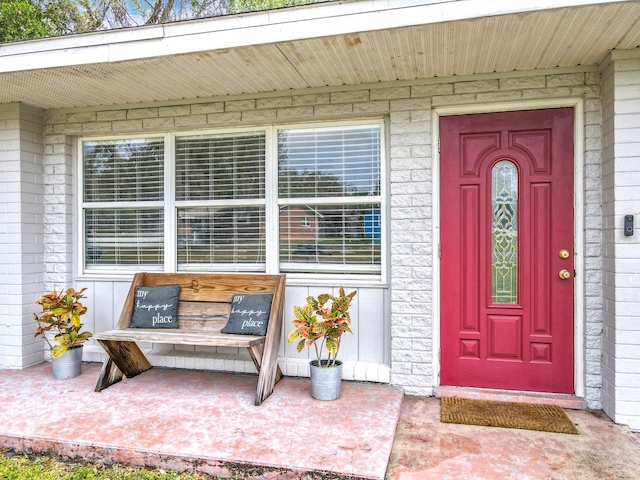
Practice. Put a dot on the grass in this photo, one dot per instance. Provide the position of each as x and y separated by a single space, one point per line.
18 466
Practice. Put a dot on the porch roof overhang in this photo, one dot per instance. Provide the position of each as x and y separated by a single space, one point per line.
321 45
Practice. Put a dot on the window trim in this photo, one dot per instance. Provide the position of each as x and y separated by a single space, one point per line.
176 204
271 202
82 205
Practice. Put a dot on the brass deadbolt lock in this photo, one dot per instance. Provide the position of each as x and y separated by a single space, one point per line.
564 253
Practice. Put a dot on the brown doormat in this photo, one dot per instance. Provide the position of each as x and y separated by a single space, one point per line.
545 418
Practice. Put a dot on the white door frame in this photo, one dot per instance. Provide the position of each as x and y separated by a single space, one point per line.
578 202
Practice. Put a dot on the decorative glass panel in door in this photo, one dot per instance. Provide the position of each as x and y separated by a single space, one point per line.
504 233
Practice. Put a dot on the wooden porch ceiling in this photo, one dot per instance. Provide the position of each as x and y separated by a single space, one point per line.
525 41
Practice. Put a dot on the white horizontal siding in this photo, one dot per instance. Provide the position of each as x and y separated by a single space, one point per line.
364 352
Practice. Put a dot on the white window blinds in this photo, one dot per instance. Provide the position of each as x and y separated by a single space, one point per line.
123 170
123 203
221 180
329 182
329 162
220 167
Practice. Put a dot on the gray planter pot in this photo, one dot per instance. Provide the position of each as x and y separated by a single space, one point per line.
325 381
68 365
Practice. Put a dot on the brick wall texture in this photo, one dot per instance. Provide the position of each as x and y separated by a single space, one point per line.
21 236
621 262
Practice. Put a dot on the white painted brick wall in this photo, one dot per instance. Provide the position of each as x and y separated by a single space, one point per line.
408 107
608 273
58 190
21 235
621 275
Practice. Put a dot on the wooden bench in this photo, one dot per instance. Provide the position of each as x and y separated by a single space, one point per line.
203 309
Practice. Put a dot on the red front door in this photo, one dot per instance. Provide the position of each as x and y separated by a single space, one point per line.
507 250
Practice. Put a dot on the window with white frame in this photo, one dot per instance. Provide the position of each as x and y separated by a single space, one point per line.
330 176
300 200
123 197
220 201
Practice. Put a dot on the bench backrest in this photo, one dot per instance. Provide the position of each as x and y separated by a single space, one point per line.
205 298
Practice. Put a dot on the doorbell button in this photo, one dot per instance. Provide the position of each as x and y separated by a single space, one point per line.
628 225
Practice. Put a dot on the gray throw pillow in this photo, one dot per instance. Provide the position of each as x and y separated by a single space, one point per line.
156 307
249 314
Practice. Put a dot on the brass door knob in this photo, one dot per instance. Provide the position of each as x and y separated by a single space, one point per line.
564 274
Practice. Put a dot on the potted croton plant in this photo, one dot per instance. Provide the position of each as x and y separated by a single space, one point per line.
321 323
61 312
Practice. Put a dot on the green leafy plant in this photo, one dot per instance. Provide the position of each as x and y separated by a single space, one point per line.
61 313
321 323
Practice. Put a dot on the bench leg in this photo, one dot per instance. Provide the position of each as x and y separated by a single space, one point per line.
256 355
109 375
127 357
279 375
268 374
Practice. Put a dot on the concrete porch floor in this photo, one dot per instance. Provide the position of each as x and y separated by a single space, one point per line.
206 421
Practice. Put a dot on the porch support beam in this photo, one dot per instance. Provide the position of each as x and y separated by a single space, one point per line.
21 233
621 275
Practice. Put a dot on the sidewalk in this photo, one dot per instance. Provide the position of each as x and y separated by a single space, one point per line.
424 449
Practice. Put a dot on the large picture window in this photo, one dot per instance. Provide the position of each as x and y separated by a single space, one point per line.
302 200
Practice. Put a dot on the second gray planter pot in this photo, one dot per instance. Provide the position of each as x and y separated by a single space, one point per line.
325 381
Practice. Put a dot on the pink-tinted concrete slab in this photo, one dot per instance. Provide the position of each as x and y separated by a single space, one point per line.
427 449
205 421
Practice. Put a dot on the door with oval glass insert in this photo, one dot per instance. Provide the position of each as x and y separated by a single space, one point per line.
506 237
